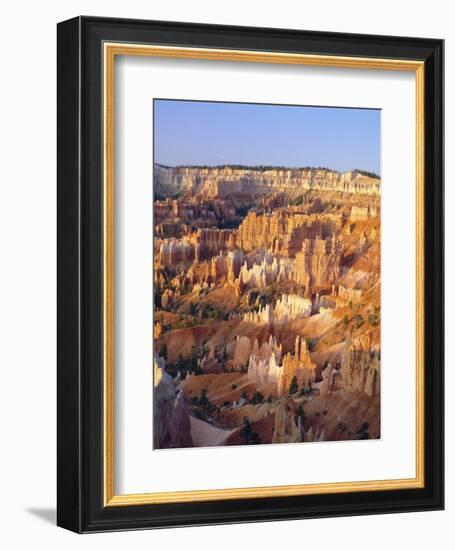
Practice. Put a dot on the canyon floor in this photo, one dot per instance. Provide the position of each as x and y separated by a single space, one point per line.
267 306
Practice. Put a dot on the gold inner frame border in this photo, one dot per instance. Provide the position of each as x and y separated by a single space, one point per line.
110 51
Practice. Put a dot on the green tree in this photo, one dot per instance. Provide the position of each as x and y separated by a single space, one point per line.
203 399
193 366
300 413
181 364
297 201
157 299
201 406
373 319
358 321
293 388
164 352
257 397
249 436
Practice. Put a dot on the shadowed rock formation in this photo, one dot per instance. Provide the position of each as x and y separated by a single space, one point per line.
171 426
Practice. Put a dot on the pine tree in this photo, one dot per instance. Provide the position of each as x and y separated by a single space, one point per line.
250 437
193 366
163 352
300 412
293 388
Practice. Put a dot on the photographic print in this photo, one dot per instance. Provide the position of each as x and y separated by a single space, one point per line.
267 274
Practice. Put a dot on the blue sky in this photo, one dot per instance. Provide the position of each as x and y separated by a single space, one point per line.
212 133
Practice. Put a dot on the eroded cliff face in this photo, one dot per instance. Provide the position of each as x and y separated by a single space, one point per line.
171 252
267 306
314 262
283 232
222 181
166 181
318 264
209 242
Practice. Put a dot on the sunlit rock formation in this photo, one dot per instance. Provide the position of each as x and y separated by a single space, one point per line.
267 364
227 180
283 232
318 263
245 349
288 428
287 309
175 251
290 307
265 273
173 216
330 380
225 265
363 212
209 242
299 366
242 351
360 366
266 305
348 294
263 315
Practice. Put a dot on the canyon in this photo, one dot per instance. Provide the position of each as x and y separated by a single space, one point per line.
266 305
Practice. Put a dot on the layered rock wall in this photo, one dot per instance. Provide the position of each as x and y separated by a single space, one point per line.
209 242
226 265
283 232
318 263
175 251
227 180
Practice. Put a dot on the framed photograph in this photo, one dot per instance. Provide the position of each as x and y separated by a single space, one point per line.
250 274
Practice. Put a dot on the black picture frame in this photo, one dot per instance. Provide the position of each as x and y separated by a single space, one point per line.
80 474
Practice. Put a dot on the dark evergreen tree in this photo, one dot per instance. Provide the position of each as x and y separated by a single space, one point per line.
293 388
300 413
164 352
249 436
